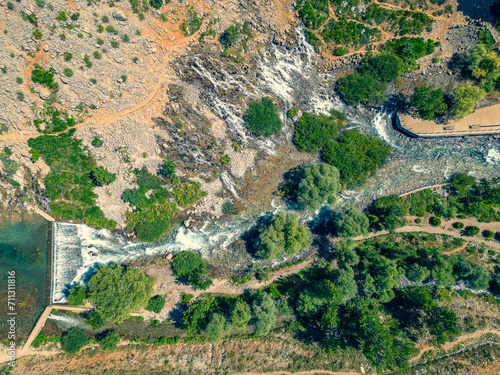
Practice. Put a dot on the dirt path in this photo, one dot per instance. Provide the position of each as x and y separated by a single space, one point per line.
449 345
445 228
432 187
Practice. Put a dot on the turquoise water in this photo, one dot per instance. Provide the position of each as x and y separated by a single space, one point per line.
23 249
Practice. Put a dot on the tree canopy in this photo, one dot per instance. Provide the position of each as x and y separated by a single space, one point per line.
318 183
429 102
484 64
264 310
191 267
116 291
262 117
359 88
355 155
284 236
73 340
466 96
312 132
350 223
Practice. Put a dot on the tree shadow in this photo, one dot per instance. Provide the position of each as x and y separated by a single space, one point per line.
251 235
477 9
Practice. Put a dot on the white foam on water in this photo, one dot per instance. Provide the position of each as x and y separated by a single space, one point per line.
493 156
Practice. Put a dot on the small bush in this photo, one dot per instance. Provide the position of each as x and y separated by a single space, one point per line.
156 304
418 220
157 4
62 16
435 221
73 340
186 298
68 72
20 96
262 117
471 230
108 340
105 19
114 44
96 142
488 234
94 319
37 34
75 16
10 6
229 208
67 56
458 225
124 78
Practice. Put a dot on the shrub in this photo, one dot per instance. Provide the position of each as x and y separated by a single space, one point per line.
458 225
116 291
96 142
68 72
229 208
97 55
355 155
10 6
435 221
44 77
37 34
191 267
77 295
357 88
230 36
124 78
313 13
101 177
350 223
215 328
313 132
75 16
61 16
73 340
94 319
167 170
284 236
114 44
155 304
68 56
466 96
471 230
19 80
488 234
108 339
262 117
428 102
292 112
418 220
240 314
20 96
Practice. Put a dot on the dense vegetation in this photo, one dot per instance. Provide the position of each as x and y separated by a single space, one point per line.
313 132
190 267
429 102
73 340
467 197
116 291
355 155
262 118
69 184
152 215
283 237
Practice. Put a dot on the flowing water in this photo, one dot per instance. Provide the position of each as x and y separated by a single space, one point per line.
290 76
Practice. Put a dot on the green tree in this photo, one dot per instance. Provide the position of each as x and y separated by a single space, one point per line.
77 295
264 310
471 230
466 96
94 319
417 273
156 304
484 64
73 340
157 4
355 155
262 117
215 328
195 318
429 103
384 67
102 177
109 339
461 183
345 254
312 132
344 280
190 266
316 297
319 183
358 88
230 36
350 223
168 169
116 291
284 236
240 314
